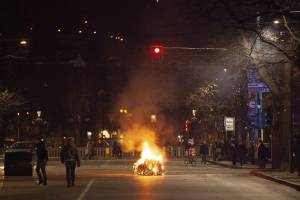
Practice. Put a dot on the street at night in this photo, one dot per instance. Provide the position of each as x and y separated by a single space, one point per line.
115 180
150 99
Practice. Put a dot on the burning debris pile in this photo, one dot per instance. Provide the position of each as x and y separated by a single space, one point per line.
150 163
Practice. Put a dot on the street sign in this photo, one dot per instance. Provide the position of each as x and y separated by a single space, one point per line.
251 105
255 84
229 123
191 141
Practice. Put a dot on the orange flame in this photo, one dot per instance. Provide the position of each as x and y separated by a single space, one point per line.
150 163
148 154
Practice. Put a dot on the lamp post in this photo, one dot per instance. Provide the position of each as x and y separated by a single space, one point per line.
18 126
153 118
89 135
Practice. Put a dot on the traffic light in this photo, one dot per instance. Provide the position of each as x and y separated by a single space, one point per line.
157 50
187 126
156 54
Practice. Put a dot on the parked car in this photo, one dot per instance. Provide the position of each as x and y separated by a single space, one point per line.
18 160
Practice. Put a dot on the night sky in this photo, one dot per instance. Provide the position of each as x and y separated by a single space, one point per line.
142 21
116 73
106 17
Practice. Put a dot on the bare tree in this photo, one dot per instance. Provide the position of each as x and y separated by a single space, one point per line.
10 102
270 37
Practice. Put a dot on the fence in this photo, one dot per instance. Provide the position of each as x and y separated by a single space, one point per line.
107 152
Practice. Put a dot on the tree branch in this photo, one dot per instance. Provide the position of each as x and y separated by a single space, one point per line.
290 30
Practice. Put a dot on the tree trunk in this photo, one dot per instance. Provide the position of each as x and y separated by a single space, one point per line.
281 136
275 144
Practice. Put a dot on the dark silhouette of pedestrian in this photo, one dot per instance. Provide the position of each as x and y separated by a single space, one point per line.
69 156
241 151
42 159
214 150
251 153
297 153
117 152
262 154
204 152
233 149
89 150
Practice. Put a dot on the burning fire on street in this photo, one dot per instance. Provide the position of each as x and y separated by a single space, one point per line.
150 163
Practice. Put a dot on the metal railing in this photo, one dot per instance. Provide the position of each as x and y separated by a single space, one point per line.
107 152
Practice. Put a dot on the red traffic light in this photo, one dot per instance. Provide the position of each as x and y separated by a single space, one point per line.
157 50
156 54
187 125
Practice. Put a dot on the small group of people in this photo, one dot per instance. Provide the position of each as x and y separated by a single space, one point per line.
204 152
216 150
117 150
68 156
239 153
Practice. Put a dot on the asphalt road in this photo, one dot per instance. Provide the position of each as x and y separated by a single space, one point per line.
114 180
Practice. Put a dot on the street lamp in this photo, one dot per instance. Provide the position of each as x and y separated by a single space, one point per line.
194 112
153 118
23 42
18 128
105 134
122 110
89 134
39 113
276 21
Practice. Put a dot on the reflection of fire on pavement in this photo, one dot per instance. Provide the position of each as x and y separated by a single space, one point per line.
150 163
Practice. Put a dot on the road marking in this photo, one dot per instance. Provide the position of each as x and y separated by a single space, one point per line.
86 189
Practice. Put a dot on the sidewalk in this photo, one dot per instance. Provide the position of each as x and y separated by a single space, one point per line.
228 164
282 177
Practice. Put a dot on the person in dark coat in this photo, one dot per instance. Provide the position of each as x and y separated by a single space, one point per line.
262 154
297 153
233 149
241 151
42 159
69 156
251 153
204 152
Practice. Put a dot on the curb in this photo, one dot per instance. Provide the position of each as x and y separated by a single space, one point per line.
229 166
222 164
277 180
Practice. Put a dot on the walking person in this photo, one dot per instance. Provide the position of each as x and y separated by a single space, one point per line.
242 151
204 152
262 154
233 148
88 150
297 154
69 156
214 150
42 159
251 153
